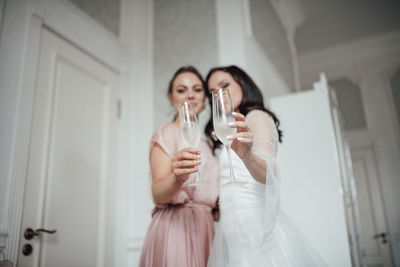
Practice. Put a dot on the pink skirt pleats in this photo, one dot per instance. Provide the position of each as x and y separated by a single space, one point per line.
178 236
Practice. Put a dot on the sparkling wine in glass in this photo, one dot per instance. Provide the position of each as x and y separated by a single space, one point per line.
190 132
222 115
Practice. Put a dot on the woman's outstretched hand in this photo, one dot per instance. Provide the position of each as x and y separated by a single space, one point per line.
184 163
242 141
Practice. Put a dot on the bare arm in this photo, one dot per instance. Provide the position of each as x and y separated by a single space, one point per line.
169 174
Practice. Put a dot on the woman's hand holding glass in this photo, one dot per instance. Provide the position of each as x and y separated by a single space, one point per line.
184 163
242 141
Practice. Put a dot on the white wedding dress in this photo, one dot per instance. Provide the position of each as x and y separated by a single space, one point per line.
252 230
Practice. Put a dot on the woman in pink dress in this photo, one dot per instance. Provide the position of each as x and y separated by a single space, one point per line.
181 230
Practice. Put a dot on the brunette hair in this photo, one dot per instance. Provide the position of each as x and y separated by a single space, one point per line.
252 99
187 68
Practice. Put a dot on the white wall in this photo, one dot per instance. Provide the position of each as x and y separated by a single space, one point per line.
237 45
369 64
264 72
105 12
270 34
350 102
184 34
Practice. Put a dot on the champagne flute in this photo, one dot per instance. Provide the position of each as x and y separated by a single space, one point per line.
190 132
222 115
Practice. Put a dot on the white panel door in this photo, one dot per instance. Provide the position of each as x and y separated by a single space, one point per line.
70 171
374 236
310 173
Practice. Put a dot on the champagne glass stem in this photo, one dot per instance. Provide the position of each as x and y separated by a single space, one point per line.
197 175
228 151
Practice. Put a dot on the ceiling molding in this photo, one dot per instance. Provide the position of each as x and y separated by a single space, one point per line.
382 49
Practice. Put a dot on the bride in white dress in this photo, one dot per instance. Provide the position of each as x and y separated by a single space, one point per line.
252 230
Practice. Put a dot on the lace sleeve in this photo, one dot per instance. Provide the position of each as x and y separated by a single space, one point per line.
265 141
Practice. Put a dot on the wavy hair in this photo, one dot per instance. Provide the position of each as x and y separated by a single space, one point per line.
252 99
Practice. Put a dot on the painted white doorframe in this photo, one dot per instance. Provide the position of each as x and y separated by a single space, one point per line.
374 237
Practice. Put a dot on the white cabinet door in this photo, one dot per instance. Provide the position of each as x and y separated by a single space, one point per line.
311 174
70 170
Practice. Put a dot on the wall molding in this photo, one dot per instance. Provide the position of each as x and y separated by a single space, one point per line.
74 25
135 243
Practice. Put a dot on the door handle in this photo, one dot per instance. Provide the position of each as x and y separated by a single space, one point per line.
30 233
382 236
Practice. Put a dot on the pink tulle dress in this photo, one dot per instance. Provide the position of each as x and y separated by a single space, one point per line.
181 232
